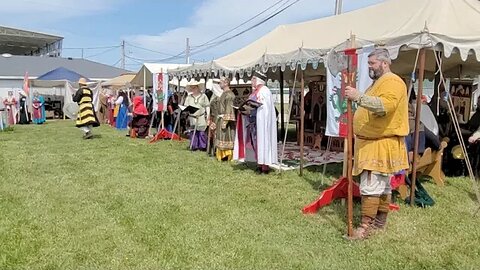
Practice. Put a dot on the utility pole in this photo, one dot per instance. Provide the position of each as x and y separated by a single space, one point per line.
187 52
123 54
338 7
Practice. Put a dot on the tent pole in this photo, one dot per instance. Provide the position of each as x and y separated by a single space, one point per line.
144 85
302 119
282 105
165 95
417 123
177 120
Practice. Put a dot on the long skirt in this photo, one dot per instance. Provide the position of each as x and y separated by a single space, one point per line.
111 119
140 125
199 142
24 117
122 118
38 116
3 120
11 118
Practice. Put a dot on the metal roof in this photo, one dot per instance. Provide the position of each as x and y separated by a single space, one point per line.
23 42
15 66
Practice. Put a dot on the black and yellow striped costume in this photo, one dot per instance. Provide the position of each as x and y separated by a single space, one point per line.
86 114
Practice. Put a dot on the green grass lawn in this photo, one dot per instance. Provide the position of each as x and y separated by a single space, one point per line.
117 203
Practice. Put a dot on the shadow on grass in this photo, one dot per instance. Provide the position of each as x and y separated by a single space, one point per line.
334 213
244 166
473 197
320 180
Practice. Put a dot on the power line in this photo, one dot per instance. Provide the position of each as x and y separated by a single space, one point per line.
277 12
92 48
144 60
285 4
178 56
116 63
136 60
240 25
148 50
183 53
103 52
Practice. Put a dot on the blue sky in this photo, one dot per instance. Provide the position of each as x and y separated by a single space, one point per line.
156 25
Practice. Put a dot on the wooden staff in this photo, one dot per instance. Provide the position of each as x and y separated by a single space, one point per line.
421 72
350 81
208 138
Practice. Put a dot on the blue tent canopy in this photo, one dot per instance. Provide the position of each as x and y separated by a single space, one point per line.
61 73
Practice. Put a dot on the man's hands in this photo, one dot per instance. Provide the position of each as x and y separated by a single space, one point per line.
352 93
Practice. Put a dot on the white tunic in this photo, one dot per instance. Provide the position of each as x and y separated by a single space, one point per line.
266 126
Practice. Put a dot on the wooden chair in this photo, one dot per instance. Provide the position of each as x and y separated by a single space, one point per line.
430 164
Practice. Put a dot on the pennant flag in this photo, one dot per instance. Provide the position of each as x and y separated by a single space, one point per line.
160 91
336 101
26 86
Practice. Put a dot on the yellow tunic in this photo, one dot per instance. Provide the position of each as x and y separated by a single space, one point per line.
86 114
380 138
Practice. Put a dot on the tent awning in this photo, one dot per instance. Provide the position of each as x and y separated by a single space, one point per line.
120 81
449 26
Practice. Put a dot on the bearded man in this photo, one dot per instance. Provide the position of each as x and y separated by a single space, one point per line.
380 125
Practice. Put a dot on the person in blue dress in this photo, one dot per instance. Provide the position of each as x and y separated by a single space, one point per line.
38 109
122 116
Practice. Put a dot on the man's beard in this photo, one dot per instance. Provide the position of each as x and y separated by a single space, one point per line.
375 74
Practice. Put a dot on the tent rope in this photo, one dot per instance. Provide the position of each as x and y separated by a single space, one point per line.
456 124
440 84
412 76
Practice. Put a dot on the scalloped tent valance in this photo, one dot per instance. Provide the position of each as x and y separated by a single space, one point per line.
448 26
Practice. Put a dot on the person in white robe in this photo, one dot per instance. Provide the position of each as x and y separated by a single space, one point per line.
256 133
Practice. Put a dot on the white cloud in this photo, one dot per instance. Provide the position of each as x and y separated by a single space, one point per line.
45 11
215 17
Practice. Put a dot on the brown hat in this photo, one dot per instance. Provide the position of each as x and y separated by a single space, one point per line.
200 85
82 81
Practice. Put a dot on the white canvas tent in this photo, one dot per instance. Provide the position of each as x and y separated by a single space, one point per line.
144 76
121 81
449 26
66 90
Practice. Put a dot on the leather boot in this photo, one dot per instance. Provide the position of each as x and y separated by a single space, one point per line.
363 231
380 221
383 208
369 211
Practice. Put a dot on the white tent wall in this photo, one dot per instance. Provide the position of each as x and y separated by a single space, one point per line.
8 85
70 108
65 90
